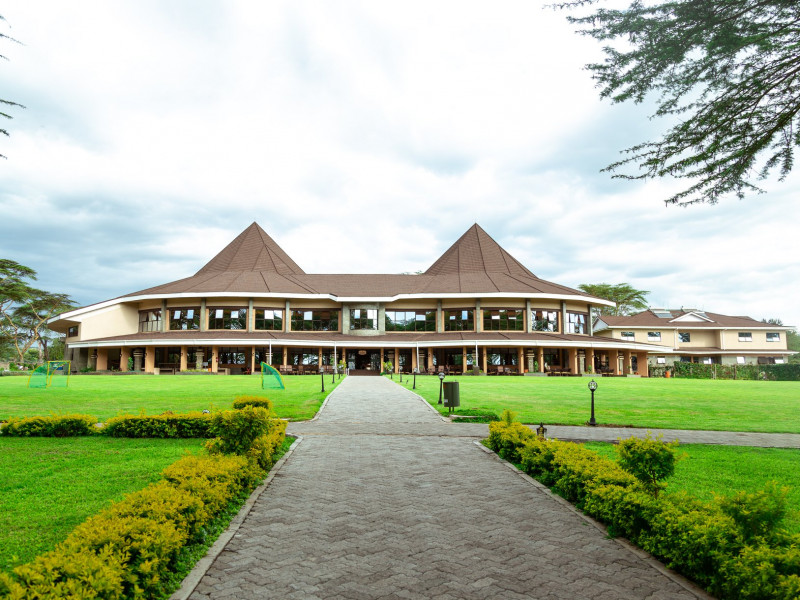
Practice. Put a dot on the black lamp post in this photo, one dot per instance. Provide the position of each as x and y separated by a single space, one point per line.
322 377
415 379
592 388
333 374
441 385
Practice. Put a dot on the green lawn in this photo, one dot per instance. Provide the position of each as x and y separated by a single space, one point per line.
51 485
724 470
105 396
767 406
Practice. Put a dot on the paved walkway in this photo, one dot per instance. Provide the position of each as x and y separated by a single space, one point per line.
383 499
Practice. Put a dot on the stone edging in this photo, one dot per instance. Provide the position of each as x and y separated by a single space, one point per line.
643 556
201 567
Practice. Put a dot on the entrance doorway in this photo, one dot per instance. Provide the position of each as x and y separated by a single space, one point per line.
364 362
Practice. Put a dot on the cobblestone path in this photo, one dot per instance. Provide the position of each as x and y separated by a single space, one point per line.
383 499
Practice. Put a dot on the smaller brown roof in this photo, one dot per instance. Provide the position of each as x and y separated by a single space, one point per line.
650 318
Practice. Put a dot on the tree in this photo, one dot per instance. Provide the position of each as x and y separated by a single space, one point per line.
2 101
24 310
727 71
628 299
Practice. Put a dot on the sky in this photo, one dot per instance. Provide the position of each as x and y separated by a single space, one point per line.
364 137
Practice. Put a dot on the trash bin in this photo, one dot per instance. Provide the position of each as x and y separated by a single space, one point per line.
452 396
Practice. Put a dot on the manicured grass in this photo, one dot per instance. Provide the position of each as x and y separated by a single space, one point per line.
766 406
51 485
725 470
106 396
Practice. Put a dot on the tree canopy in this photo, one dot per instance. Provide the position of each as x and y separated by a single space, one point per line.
629 300
728 71
6 103
24 310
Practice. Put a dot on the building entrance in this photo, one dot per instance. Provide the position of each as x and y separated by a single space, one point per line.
364 362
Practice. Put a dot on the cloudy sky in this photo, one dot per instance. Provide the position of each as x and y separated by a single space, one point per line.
364 137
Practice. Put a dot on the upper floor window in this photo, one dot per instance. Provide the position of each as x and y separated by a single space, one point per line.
268 319
773 336
150 320
184 318
684 337
227 318
503 320
653 336
364 318
628 336
576 322
544 320
410 320
72 331
745 336
459 320
315 320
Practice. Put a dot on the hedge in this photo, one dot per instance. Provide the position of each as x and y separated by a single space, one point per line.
784 372
733 547
52 426
167 425
130 549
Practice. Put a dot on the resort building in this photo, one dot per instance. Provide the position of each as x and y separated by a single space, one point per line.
475 308
699 336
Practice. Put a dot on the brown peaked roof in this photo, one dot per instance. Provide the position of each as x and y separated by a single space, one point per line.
649 318
477 252
254 263
252 250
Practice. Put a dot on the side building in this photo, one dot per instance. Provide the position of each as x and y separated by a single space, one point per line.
699 336
475 307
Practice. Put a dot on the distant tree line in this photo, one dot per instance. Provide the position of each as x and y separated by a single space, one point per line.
24 311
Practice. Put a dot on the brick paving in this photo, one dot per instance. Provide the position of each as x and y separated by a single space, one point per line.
383 499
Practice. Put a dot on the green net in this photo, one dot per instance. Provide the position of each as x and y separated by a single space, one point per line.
58 373
270 378
38 377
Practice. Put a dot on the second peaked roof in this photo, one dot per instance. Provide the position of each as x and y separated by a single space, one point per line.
475 264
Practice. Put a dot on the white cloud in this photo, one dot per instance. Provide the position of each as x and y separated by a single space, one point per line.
364 137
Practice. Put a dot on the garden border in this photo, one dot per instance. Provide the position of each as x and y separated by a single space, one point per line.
646 557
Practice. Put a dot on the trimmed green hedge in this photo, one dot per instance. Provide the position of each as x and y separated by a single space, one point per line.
187 425
785 372
52 426
733 547
129 549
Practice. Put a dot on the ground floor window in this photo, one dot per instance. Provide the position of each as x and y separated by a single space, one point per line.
501 356
304 356
232 356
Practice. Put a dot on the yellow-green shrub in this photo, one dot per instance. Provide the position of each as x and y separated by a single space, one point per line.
51 426
235 431
506 438
127 550
187 425
261 401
